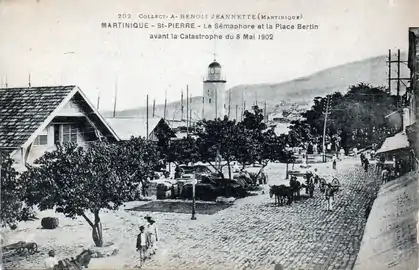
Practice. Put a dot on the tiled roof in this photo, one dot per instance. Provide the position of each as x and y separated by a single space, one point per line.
23 110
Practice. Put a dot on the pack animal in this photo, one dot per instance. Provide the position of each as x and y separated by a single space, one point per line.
282 194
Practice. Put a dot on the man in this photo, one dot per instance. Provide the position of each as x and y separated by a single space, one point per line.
334 161
142 244
329 197
152 235
51 260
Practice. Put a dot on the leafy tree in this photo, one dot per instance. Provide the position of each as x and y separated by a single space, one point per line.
83 182
12 193
254 120
217 140
183 151
358 116
256 144
164 134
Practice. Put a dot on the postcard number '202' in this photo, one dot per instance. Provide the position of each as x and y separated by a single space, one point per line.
124 16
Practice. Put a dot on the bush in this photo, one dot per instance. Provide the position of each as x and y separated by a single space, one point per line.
49 223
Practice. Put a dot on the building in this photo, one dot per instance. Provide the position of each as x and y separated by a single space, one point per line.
214 93
34 119
399 147
127 127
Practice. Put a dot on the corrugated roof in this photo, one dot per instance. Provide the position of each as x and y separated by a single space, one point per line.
126 128
389 239
23 110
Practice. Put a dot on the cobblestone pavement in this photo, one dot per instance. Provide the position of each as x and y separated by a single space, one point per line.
256 234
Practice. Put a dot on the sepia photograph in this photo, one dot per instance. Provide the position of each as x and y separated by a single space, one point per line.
209 134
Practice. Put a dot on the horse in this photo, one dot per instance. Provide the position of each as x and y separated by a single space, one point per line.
281 193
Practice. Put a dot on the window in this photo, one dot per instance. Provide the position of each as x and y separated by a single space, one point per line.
42 138
209 100
69 133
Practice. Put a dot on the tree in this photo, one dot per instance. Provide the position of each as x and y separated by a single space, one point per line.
258 144
82 182
217 140
12 193
183 151
358 116
163 133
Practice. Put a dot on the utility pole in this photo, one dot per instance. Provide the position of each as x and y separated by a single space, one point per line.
398 78
165 105
181 105
154 107
114 101
187 110
266 115
147 117
98 102
389 71
324 128
398 74
29 83
203 107
229 103
237 106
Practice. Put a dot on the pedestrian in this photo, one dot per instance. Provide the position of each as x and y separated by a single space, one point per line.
142 244
363 158
334 161
366 163
51 261
152 235
329 197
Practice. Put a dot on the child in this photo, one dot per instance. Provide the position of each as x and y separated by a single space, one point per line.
142 244
51 261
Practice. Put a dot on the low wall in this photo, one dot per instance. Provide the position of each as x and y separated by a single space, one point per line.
389 240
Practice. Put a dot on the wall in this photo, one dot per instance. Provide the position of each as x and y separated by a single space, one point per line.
215 91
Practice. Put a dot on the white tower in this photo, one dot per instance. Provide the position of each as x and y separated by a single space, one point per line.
214 93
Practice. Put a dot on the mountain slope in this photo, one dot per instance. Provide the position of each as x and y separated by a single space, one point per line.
296 93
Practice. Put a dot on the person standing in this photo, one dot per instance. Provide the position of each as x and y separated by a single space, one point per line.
366 164
152 235
142 244
329 197
334 161
51 261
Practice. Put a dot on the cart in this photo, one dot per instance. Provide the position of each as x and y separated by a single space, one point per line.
20 247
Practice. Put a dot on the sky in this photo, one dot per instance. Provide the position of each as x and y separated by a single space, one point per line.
61 42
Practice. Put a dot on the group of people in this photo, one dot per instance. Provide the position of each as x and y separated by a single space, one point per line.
147 239
329 191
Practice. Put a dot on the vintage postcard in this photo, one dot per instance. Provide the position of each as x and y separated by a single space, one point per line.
209 134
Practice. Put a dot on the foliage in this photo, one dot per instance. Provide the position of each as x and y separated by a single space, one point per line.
183 151
12 193
78 181
358 117
163 133
258 144
217 140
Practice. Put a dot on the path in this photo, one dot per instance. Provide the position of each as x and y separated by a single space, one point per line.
257 235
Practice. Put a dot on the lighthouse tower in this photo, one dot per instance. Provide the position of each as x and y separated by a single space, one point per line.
214 93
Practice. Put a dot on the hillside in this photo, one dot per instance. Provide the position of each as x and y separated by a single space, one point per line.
297 93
